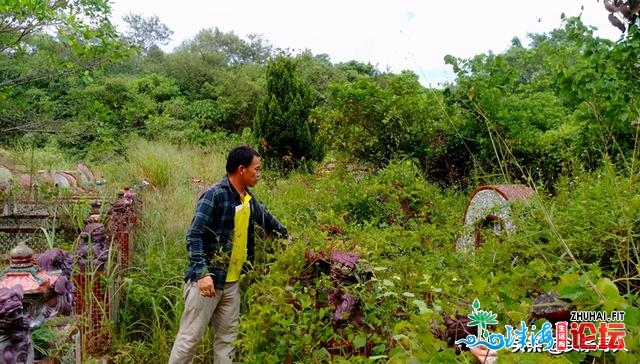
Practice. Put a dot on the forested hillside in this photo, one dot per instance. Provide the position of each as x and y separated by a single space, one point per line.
356 159
562 104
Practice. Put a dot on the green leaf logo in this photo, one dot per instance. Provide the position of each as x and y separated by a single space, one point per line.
481 318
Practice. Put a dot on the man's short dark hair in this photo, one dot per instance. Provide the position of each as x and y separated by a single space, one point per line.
240 156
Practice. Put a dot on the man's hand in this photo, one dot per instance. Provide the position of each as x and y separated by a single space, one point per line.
205 286
289 238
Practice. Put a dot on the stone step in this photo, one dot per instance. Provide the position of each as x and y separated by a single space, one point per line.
29 215
19 229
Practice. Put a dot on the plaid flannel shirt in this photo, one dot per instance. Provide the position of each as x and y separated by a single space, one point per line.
210 236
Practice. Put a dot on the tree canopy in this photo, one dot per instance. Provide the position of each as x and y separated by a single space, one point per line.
534 111
42 44
146 32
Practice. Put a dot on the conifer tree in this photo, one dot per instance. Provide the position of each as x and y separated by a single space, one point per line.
286 138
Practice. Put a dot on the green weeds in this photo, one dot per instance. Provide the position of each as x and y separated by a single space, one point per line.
581 242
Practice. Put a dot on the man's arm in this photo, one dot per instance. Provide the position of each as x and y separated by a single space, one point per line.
200 223
269 222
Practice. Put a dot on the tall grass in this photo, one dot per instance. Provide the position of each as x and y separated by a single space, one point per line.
27 157
152 290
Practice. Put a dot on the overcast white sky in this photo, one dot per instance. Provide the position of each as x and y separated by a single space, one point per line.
393 34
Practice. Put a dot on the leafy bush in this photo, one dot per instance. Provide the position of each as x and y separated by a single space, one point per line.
418 276
600 223
376 120
554 108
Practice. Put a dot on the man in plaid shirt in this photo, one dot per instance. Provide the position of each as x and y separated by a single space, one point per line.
219 241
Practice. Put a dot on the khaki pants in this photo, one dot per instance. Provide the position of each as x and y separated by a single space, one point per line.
221 312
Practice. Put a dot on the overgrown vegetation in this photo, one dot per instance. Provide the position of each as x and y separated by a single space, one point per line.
580 242
559 115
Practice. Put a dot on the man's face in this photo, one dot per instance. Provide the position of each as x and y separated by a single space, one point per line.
251 173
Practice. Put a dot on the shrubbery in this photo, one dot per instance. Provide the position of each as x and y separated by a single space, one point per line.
419 276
